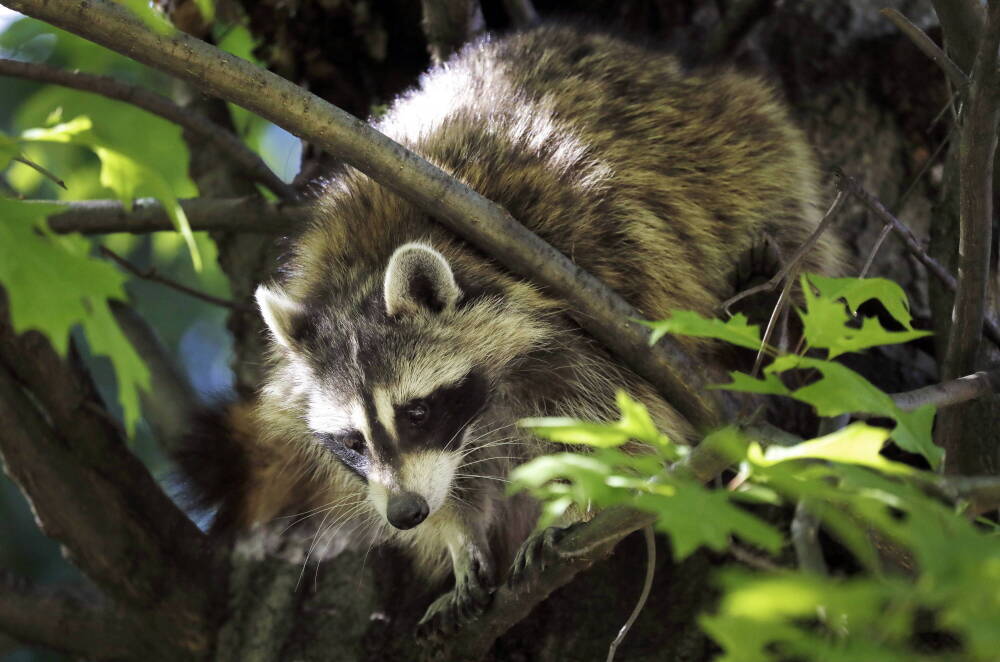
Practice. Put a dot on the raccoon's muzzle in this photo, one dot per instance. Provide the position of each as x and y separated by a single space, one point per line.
406 510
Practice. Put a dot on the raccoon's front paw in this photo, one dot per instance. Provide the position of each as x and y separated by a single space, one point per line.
472 594
538 552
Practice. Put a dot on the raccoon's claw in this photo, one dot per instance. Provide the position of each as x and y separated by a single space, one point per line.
536 554
472 594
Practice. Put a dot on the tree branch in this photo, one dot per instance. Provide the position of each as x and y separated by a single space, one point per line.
242 156
61 620
245 215
962 23
597 309
577 550
90 493
934 267
952 392
928 47
151 275
976 152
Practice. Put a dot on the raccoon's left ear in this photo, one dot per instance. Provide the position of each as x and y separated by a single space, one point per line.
279 312
419 278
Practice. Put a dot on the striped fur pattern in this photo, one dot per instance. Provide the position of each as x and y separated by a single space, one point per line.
403 357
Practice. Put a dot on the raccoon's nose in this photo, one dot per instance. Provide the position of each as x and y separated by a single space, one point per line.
406 510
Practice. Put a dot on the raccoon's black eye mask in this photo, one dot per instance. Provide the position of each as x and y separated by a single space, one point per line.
348 447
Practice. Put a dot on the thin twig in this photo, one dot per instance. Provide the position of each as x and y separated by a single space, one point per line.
647 534
151 275
48 174
251 164
793 262
779 308
887 228
928 47
241 215
990 328
952 392
755 561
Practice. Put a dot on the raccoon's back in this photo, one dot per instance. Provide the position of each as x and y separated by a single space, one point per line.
653 178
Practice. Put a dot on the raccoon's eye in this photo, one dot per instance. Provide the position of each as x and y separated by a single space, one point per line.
355 441
417 412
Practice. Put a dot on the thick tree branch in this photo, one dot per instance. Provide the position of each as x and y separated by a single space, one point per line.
934 267
156 567
595 307
245 215
61 620
241 155
92 495
976 152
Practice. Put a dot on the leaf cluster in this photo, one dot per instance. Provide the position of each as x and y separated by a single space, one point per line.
943 603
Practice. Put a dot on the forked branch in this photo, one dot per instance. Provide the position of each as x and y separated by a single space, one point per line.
597 309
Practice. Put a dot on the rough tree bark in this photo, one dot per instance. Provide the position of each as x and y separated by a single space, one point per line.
860 90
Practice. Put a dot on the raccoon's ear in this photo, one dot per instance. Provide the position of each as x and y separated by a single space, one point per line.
279 312
419 278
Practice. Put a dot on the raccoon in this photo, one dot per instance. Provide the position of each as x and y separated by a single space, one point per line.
403 357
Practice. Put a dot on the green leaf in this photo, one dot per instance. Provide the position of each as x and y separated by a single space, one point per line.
857 443
52 286
769 385
855 291
207 9
694 516
688 323
65 132
8 150
635 423
843 391
125 177
825 319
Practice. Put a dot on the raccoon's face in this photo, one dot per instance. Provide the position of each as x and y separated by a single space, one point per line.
398 379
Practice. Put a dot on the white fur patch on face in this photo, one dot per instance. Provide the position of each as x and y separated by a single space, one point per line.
385 411
429 474
424 375
278 310
378 495
327 417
